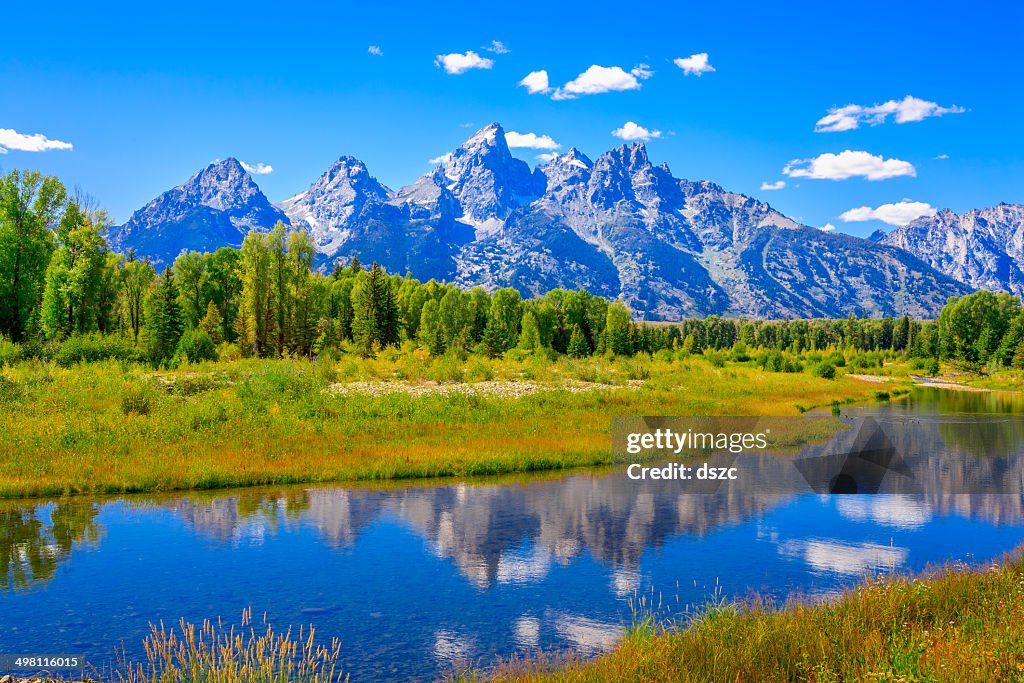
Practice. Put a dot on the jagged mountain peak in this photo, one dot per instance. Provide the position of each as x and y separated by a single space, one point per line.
982 247
632 156
217 206
221 185
343 191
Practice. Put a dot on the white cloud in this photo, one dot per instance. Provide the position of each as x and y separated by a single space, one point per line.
37 142
899 213
443 159
497 47
942 157
375 51
642 71
777 185
536 82
848 164
259 168
694 65
633 131
547 157
456 63
907 110
828 227
596 80
530 140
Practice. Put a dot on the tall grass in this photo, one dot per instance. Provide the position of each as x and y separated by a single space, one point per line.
950 625
212 653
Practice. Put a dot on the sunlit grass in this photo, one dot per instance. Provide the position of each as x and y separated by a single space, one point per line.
213 653
112 427
953 625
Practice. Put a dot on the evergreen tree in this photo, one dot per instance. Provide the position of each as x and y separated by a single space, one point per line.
212 323
617 330
578 347
492 342
375 312
163 325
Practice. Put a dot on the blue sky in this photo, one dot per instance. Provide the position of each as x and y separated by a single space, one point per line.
147 95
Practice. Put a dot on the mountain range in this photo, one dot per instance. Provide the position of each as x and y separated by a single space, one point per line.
619 226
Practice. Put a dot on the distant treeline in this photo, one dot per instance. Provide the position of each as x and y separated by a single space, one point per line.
60 283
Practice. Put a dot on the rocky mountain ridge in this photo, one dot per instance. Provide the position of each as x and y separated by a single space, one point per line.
619 226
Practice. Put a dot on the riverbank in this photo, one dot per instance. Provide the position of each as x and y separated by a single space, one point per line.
954 624
114 427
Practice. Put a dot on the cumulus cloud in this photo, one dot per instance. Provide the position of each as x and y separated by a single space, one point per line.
36 142
848 164
828 227
907 110
596 80
777 185
899 213
443 159
530 140
694 65
632 131
375 51
259 168
547 157
497 47
536 82
456 63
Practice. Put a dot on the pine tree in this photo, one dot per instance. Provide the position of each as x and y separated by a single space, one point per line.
578 347
492 341
163 326
212 323
375 321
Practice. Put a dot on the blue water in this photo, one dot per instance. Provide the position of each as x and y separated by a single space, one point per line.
417 580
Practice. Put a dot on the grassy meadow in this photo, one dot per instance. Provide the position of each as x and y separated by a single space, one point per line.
116 426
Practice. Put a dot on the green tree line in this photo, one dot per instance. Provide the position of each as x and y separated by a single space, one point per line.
61 283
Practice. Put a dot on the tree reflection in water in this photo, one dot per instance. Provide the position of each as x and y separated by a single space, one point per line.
36 539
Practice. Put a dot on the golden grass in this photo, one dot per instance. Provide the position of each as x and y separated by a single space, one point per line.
110 427
212 653
954 625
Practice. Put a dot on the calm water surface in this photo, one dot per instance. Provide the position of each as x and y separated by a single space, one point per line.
418 579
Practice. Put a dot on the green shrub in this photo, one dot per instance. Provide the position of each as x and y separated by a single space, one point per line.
665 355
837 359
89 348
480 371
825 370
10 353
196 346
229 352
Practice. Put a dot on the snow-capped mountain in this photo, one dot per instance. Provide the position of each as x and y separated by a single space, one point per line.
983 248
619 226
216 207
